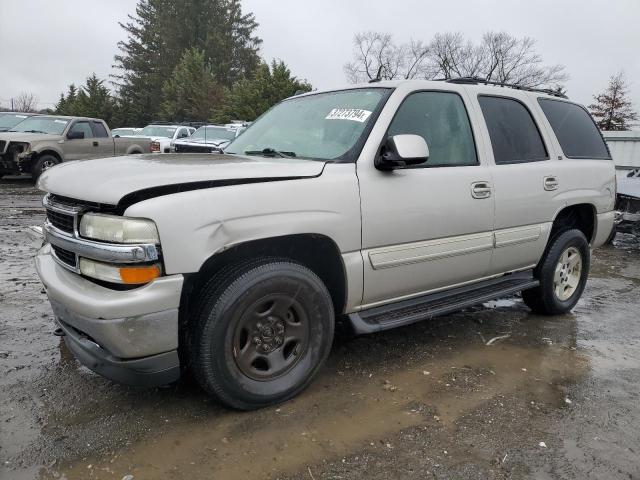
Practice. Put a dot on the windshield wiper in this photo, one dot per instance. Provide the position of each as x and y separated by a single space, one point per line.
270 152
29 131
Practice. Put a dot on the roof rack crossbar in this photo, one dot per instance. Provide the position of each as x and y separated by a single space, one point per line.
480 80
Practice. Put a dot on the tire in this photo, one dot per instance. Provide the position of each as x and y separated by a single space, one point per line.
261 332
553 296
42 164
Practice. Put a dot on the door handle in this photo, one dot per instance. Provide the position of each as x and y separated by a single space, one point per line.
480 190
550 183
95 143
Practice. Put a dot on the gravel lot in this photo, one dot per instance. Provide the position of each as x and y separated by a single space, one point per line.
553 398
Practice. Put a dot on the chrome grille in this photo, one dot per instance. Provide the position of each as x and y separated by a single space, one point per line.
65 256
61 221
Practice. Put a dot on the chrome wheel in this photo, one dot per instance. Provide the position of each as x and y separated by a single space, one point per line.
47 164
567 274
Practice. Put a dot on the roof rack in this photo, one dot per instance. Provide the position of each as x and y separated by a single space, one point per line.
479 80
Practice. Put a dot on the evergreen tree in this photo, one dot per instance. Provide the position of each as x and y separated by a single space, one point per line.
162 30
192 92
612 110
66 104
250 98
94 100
91 100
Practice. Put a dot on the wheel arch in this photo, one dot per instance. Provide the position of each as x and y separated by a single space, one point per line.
317 252
582 216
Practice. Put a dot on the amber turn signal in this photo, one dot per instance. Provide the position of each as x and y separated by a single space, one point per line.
137 275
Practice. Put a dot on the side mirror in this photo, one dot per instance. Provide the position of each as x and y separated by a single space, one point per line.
402 151
75 135
116 136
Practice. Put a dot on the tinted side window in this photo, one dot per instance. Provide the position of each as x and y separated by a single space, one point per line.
441 119
99 130
82 127
515 138
577 133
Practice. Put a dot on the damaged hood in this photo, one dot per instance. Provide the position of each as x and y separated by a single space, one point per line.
108 180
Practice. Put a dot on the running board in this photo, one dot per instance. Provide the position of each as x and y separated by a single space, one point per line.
428 306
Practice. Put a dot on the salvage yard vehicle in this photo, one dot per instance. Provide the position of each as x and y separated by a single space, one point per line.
208 139
41 142
125 132
161 135
8 120
627 203
382 204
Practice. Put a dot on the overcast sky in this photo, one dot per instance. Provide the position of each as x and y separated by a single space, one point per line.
47 44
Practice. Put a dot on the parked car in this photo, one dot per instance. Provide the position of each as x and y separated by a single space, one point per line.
627 203
208 139
382 204
162 135
8 120
125 132
40 142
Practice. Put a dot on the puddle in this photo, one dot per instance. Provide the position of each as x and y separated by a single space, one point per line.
336 416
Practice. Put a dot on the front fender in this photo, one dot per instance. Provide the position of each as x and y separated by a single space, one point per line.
195 225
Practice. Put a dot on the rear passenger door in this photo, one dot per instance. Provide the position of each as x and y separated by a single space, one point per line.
80 148
525 181
103 145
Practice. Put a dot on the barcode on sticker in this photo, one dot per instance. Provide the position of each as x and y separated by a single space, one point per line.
355 114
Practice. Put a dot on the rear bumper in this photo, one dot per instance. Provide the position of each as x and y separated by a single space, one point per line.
604 226
130 336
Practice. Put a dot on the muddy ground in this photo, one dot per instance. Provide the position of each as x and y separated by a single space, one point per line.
554 398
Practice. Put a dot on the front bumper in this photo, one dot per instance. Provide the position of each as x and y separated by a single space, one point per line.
129 336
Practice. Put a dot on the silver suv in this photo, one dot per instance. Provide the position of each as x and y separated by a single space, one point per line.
383 204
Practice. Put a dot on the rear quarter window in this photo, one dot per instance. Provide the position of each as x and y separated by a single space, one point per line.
515 137
576 131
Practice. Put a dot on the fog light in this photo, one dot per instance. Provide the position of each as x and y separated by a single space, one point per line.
126 275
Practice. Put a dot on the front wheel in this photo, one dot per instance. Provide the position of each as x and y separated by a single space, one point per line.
562 272
45 162
261 333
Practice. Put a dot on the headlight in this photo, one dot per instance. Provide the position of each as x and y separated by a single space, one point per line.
124 274
114 229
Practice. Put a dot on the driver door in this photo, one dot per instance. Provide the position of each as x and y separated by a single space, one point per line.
428 226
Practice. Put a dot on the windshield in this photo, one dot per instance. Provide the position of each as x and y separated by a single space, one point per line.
157 131
214 133
324 126
50 125
8 120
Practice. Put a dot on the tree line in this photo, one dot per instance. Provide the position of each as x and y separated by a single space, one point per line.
198 60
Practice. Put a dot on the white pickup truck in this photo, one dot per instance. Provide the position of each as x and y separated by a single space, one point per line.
384 204
162 135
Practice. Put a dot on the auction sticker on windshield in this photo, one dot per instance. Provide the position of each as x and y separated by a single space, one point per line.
355 114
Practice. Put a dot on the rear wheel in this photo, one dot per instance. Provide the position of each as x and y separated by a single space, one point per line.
562 272
43 163
261 333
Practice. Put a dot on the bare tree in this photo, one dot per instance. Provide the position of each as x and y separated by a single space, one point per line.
25 102
612 110
375 56
498 57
